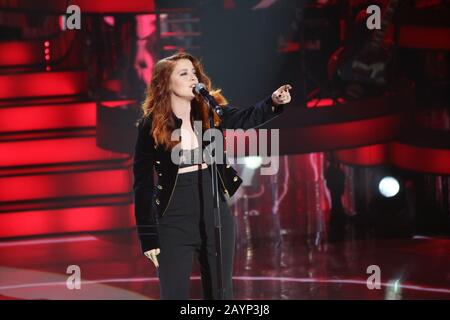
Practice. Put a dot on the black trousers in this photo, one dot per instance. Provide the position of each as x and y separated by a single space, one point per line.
188 227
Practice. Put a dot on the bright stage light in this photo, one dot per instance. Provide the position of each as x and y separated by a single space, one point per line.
253 162
389 187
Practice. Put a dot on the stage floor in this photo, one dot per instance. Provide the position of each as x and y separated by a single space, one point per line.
111 267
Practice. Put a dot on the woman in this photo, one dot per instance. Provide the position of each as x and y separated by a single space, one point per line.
175 218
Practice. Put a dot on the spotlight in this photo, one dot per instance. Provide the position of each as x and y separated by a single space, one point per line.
253 162
389 187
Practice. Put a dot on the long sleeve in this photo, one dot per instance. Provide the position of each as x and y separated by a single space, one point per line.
143 186
252 117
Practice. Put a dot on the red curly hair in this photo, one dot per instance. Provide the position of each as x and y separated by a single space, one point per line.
157 101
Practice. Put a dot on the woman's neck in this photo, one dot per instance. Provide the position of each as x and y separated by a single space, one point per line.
181 108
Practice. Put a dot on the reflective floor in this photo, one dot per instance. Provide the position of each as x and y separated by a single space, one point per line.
111 267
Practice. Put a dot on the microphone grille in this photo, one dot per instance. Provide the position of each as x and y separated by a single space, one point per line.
198 87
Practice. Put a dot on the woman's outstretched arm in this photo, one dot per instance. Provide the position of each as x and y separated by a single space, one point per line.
258 114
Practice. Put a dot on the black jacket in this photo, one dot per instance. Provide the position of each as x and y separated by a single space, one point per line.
151 201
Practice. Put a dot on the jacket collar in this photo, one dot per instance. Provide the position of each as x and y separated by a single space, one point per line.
178 121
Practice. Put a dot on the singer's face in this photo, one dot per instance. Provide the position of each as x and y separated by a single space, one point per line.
183 79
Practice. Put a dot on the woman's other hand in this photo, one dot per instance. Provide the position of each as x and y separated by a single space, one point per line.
151 254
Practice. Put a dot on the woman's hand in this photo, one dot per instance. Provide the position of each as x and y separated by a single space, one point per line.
282 95
151 254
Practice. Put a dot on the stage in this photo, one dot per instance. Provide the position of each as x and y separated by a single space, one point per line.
112 268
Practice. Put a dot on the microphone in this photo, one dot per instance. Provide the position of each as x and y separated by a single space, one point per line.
200 89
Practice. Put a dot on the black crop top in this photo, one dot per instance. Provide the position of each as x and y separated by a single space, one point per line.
189 157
